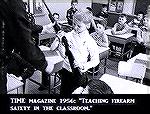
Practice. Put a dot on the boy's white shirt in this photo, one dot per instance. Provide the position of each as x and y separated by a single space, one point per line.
125 30
80 45
142 36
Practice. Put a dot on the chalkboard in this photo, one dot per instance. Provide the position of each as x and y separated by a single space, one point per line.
97 7
141 5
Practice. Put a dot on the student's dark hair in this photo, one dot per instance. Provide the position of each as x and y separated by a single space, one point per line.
140 12
90 9
123 15
104 5
74 1
56 14
78 16
99 22
99 87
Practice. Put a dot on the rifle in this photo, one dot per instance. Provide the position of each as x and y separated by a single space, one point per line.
81 79
65 42
56 26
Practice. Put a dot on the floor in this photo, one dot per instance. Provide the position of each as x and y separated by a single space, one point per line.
32 88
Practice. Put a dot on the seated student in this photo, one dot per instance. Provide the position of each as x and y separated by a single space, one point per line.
142 38
94 86
49 27
100 36
89 20
104 12
148 27
85 55
121 27
138 21
144 32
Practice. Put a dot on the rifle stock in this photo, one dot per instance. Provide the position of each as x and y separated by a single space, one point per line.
64 40
70 57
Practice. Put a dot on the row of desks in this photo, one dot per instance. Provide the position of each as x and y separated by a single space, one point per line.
142 59
120 39
123 86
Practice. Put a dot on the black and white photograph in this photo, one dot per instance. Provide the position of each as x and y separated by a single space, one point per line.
74 55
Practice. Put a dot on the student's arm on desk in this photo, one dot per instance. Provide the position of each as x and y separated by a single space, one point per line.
124 31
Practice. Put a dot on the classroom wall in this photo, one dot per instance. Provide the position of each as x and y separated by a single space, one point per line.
131 8
141 5
113 18
61 7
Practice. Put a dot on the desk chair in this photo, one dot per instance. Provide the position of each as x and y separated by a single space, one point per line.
122 86
57 67
13 84
57 63
103 54
133 70
54 73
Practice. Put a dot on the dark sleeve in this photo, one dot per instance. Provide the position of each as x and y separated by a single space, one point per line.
36 28
23 40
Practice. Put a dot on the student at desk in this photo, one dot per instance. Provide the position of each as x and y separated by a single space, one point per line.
142 38
49 28
89 20
119 28
84 50
138 21
100 36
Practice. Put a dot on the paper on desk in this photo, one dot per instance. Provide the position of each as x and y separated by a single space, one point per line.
44 48
127 35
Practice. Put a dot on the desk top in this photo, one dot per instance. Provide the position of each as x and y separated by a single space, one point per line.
103 49
47 35
13 83
139 58
55 60
123 86
123 36
44 48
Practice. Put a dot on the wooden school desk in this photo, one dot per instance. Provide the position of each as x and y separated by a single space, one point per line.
142 59
56 62
120 39
123 86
